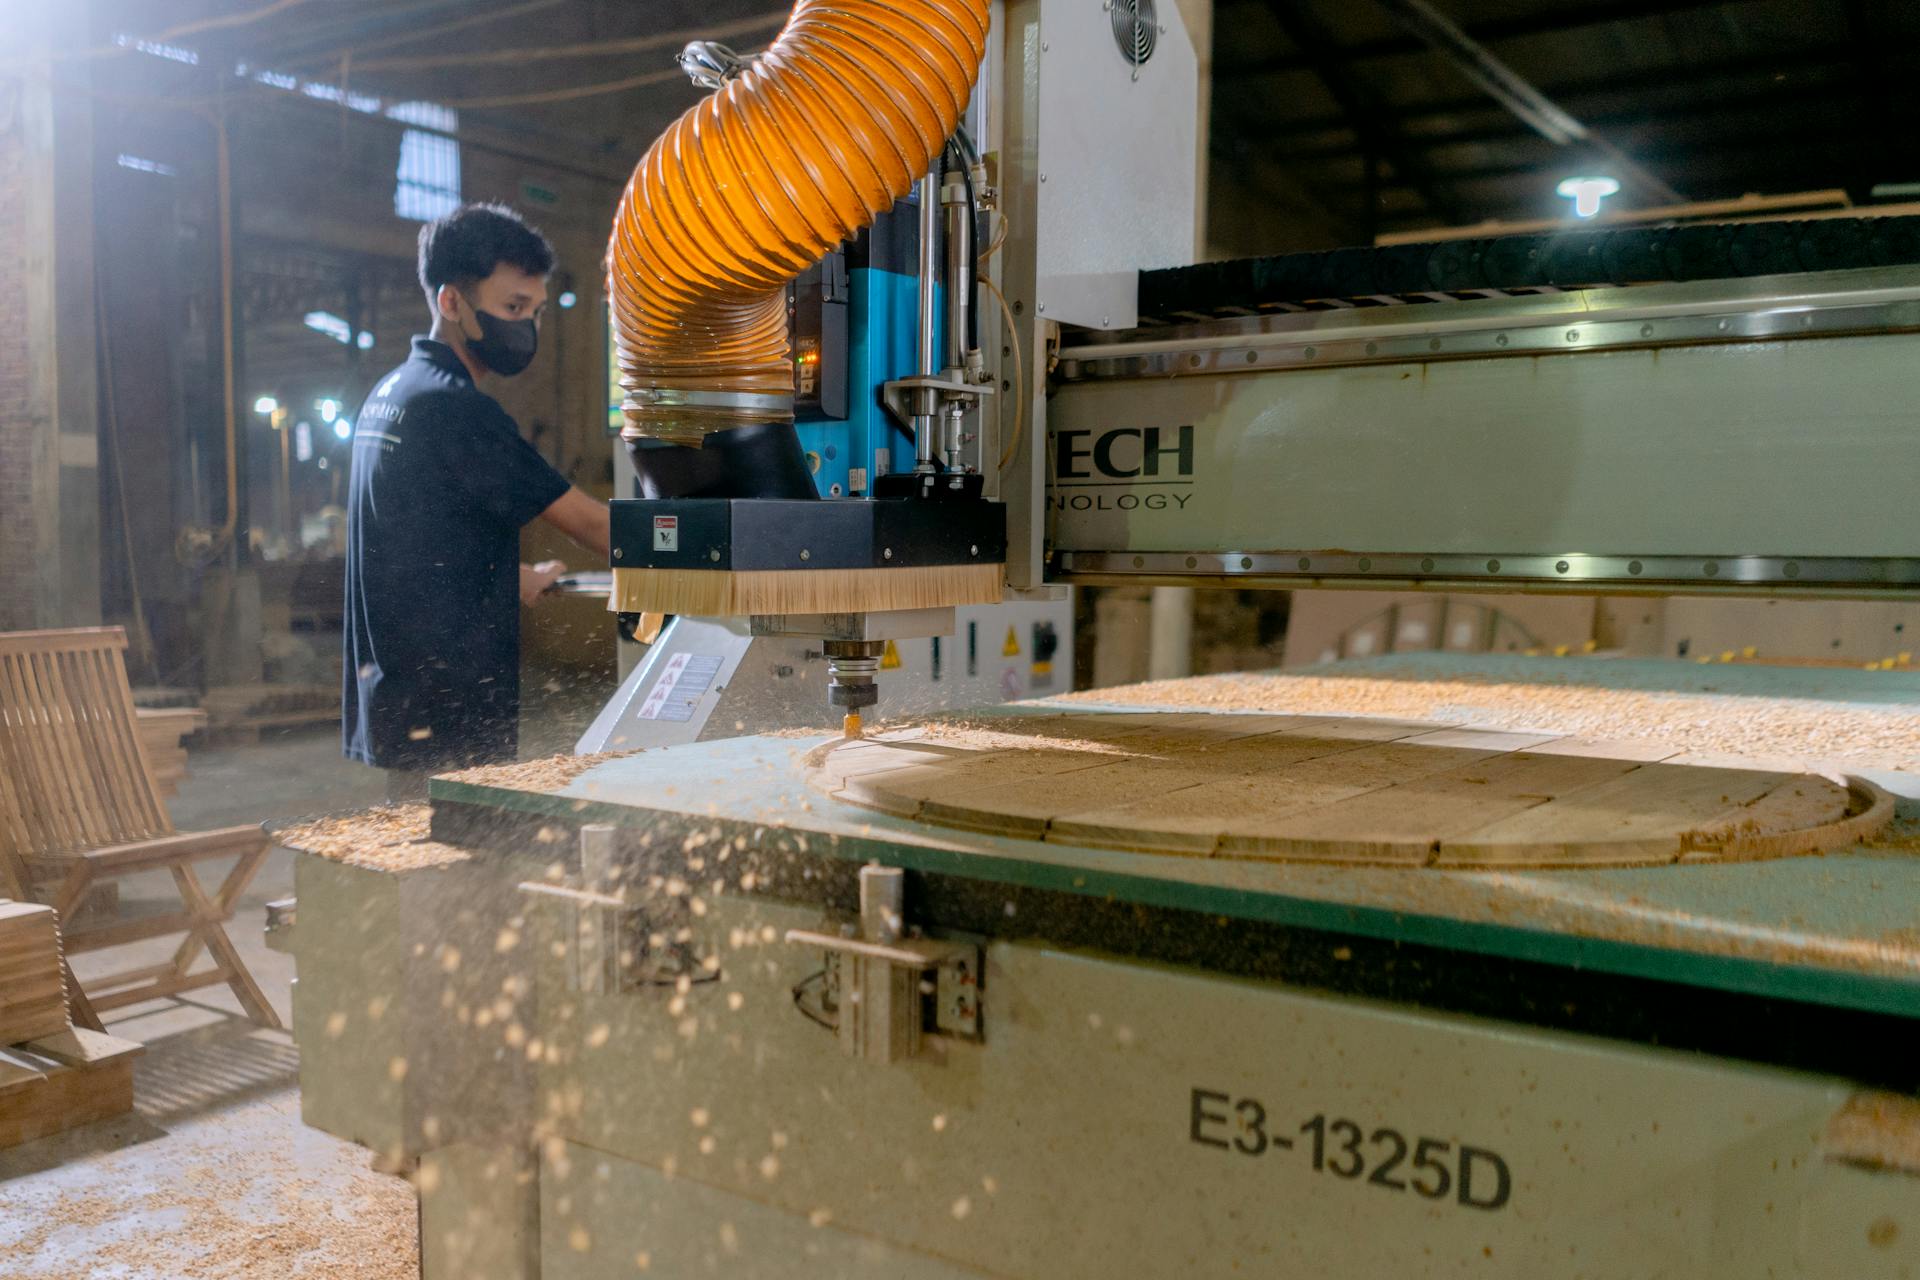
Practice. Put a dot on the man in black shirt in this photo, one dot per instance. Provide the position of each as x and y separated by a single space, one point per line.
441 484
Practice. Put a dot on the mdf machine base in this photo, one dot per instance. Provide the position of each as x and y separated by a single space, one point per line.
1086 1062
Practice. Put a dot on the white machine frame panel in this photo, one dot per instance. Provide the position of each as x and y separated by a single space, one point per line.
1134 1119
1772 449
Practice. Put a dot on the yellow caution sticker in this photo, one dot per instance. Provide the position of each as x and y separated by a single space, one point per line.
890 660
1011 649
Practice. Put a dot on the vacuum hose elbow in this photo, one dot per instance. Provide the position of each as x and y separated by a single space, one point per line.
799 152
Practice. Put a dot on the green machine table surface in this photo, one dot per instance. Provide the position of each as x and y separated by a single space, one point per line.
1841 930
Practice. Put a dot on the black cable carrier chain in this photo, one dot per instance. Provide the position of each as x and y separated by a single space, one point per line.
1556 259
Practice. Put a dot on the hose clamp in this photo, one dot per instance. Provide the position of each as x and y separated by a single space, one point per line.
673 398
710 64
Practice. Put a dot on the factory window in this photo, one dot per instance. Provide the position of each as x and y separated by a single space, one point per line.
427 184
140 164
171 52
330 324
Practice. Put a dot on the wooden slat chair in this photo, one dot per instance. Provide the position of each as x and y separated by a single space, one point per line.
78 807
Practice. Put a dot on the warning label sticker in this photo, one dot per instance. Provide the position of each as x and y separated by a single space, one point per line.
666 533
677 692
1011 649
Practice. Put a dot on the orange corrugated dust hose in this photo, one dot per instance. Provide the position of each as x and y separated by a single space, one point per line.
825 131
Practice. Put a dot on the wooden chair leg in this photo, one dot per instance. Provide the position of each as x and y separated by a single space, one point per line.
13 878
79 1007
209 930
66 899
225 901
72 891
240 978
191 893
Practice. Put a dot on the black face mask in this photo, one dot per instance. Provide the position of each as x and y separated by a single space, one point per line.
504 346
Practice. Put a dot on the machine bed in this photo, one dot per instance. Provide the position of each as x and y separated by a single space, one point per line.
1836 931
1067 1034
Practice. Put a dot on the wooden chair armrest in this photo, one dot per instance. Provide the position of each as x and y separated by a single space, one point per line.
190 846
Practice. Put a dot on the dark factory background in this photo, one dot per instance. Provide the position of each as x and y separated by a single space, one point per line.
213 208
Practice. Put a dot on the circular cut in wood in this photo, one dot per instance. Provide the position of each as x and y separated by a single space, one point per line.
1341 789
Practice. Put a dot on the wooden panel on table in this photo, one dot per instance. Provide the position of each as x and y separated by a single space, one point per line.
1408 821
1643 816
1191 819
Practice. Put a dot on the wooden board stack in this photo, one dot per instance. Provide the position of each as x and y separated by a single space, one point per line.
162 732
63 1081
52 1076
238 714
33 989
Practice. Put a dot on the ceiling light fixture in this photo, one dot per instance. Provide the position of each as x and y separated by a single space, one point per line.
1587 193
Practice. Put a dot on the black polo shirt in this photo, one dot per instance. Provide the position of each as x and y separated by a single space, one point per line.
441 484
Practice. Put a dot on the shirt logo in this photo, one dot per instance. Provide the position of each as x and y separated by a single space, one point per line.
386 388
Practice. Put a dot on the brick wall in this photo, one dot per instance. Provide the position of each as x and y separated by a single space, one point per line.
17 426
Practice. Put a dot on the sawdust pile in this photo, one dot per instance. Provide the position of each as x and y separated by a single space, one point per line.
1753 727
227 1210
548 774
1025 735
1878 1131
390 838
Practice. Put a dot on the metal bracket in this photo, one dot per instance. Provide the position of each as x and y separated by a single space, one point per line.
894 395
620 946
894 989
281 916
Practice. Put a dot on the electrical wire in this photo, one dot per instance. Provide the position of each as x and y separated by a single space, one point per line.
1019 378
964 139
973 212
425 33
221 23
999 239
587 49
224 21
563 95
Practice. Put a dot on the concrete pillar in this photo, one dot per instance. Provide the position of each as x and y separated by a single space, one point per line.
49 424
1122 637
1171 652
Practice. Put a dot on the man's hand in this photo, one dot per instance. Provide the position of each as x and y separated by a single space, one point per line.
536 578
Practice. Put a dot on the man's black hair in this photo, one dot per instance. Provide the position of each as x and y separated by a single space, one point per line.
464 247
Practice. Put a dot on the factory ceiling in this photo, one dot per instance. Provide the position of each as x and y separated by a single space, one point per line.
1353 109
1346 102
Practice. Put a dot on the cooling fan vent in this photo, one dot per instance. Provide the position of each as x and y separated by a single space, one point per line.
1135 29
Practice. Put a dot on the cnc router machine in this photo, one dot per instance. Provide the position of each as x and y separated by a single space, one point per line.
1029 996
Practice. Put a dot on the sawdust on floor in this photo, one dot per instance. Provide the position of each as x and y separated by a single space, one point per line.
228 1207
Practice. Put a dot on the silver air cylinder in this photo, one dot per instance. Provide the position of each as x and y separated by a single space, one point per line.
960 267
927 363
